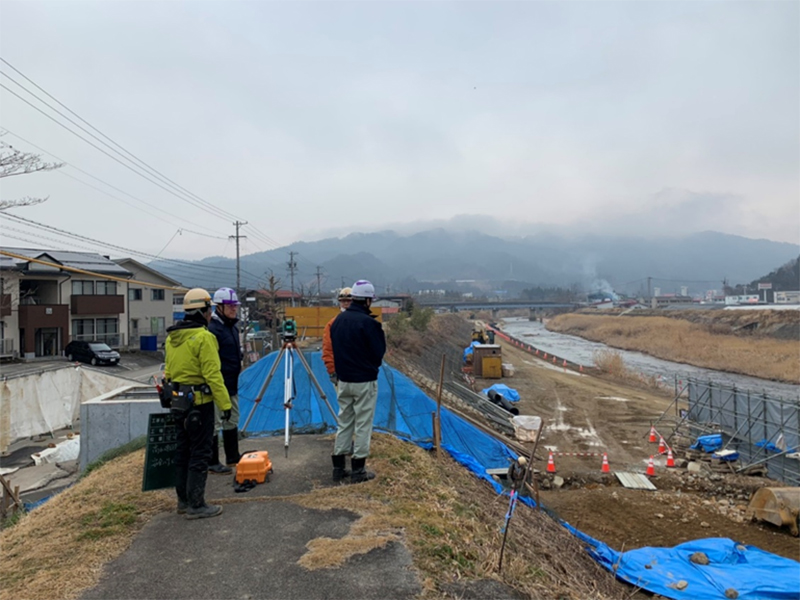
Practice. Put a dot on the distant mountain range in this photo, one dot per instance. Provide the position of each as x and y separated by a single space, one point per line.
473 261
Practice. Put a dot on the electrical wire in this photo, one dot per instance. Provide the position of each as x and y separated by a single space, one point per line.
68 234
153 206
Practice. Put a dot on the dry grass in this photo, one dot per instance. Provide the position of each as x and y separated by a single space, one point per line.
688 342
59 549
449 520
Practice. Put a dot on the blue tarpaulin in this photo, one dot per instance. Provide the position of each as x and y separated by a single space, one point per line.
708 443
751 572
405 411
506 392
468 351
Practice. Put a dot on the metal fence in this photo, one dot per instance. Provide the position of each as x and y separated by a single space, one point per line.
763 429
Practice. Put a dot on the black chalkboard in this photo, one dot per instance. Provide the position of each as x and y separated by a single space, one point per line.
159 457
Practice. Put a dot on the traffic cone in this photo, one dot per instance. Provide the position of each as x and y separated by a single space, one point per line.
670 458
545 355
606 468
554 360
651 468
662 445
652 434
551 465
537 352
565 363
581 368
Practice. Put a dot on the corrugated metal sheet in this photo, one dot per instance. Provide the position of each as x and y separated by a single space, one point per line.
635 481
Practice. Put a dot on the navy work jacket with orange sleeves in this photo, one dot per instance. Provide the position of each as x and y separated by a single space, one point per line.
358 344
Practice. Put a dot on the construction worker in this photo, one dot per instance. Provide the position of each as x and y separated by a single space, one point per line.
327 349
192 368
358 346
223 326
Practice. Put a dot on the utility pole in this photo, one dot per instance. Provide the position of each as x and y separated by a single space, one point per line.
292 269
649 294
272 307
319 286
343 284
238 224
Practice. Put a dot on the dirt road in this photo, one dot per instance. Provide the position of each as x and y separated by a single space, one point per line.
592 415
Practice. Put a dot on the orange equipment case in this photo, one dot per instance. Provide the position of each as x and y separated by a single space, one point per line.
255 466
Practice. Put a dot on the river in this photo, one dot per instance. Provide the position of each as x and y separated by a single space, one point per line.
582 351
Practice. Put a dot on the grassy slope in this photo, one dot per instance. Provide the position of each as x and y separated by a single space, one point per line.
710 343
448 519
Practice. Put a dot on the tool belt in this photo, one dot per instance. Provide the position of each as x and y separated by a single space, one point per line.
179 398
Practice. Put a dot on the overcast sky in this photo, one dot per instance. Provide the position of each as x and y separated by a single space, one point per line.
307 119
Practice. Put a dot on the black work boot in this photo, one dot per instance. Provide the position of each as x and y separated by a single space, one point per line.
360 474
339 472
181 473
230 441
214 466
198 509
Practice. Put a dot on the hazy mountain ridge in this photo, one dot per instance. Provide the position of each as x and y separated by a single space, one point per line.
437 256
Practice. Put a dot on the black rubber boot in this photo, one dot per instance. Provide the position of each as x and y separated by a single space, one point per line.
360 474
198 509
180 489
230 441
339 471
214 466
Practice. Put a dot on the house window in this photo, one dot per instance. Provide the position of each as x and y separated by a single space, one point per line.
135 324
135 294
82 328
107 325
106 288
157 294
82 288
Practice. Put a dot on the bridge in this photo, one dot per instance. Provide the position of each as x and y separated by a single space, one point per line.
457 306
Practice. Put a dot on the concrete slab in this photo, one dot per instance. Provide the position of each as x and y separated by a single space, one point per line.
37 477
252 549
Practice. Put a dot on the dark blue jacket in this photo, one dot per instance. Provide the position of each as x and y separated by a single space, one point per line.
230 350
358 345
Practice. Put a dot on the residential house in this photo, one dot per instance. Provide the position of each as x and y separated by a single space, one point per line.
44 306
150 309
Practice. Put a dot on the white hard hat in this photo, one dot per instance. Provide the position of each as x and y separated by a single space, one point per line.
363 289
226 296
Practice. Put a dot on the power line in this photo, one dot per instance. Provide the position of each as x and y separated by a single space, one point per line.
149 171
141 163
186 264
114 158
153 206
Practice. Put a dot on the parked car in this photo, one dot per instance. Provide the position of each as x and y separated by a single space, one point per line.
95 353
258 335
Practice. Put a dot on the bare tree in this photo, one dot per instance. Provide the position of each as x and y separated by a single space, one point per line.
16 162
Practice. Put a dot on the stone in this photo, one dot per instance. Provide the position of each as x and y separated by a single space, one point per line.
731 593
558 482
695 467
704 524
699 558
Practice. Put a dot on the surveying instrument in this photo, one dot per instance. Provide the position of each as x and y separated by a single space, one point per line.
289 349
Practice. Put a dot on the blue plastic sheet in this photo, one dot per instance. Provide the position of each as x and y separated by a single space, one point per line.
753 573
468 351
506 392
708 443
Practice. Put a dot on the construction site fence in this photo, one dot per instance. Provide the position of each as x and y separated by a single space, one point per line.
763 429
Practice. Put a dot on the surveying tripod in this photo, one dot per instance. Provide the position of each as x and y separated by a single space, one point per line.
288 349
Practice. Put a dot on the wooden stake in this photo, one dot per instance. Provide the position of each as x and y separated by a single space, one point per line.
438 421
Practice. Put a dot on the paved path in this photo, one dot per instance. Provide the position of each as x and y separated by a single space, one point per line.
252 549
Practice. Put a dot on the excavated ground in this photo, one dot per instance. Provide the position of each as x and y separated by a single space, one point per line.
589 414
592 414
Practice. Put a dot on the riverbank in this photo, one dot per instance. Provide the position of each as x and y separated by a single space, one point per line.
733 343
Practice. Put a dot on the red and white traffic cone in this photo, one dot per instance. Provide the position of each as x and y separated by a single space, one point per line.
651 468
670 458
551 465
605 468
662 445
652 434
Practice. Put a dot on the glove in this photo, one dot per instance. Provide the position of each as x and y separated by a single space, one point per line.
226 415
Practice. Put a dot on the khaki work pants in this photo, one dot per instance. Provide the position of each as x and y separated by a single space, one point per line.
356 413
231 423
